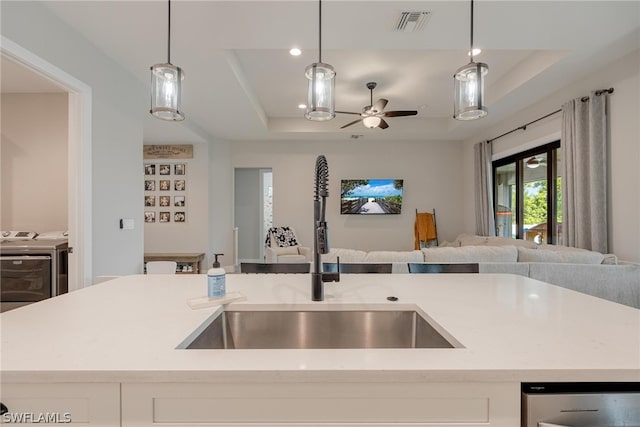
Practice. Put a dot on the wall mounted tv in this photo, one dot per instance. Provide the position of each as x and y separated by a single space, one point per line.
370 196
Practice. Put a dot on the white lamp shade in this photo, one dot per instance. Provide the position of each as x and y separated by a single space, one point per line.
371 122
469 91
166 89
320 99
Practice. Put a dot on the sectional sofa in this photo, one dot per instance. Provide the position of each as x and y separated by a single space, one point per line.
593 273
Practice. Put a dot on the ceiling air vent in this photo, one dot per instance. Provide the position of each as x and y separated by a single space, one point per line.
409 22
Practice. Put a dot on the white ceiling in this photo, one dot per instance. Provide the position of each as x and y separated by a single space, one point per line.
242 84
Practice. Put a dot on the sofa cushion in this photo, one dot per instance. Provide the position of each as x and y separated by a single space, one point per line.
618 283
286 250
473 240
471 254
507 241
559 254
519 268
346 255
393 256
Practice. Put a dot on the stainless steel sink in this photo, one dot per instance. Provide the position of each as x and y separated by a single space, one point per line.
324 329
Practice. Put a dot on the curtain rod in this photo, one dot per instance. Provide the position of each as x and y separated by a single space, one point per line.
524 126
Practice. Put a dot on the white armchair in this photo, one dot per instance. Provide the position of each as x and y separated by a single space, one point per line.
281 246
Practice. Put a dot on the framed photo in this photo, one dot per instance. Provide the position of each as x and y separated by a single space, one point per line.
165 183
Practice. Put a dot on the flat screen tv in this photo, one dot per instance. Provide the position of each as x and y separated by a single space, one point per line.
370 196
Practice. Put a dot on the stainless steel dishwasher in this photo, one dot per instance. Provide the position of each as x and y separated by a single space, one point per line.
581 404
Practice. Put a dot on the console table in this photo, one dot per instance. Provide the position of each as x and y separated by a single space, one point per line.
188 263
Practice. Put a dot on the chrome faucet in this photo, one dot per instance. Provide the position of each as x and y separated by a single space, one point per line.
320 239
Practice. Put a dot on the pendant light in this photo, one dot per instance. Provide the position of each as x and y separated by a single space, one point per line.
320 95
166 85
469 87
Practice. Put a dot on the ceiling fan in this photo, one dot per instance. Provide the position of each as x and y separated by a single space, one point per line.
372 114
535 161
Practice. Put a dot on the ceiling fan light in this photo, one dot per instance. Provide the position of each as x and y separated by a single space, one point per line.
469 91
533 162
166 90
371 122
320 94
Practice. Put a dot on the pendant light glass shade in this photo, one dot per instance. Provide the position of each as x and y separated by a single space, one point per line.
166 89
166 84
322 83
320 99
468 101
469 91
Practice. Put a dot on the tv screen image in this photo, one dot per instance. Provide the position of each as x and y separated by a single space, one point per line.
370 196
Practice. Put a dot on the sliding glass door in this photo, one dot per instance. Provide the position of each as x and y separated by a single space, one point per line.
527 195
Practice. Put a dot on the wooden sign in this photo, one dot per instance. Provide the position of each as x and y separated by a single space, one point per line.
181 151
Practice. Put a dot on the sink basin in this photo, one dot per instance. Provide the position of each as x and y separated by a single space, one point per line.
316 329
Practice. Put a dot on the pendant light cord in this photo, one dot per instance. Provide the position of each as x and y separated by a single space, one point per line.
169 34
471 44
320 31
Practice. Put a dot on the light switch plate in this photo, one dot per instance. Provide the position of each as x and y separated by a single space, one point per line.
127 224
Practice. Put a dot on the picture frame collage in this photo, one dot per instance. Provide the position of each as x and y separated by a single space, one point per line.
165 192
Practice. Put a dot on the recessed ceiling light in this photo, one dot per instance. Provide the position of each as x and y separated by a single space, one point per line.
476 51
302 106
295 51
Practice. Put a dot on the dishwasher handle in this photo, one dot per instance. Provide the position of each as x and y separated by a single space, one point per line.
543 424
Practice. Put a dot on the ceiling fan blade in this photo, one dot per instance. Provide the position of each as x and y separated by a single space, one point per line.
400 113
352 123
347 112
383 124
379 105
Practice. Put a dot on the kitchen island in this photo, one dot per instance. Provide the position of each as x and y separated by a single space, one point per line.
108 354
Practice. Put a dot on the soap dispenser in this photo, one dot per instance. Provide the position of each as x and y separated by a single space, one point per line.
216 286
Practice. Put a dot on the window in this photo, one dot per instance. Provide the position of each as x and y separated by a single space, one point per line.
528 195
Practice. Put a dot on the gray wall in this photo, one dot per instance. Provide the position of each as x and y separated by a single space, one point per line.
118 105
432 179
34 161
247 215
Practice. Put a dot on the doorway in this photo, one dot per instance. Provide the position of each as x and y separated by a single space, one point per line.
79 157
253 211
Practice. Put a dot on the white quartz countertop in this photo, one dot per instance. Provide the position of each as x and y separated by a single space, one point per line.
512 328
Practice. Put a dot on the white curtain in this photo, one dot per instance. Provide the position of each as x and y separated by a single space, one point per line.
483 172
584 173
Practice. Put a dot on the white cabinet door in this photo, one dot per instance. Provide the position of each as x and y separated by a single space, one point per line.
334 404
94 405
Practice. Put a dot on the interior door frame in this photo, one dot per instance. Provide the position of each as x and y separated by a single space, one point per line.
79 159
